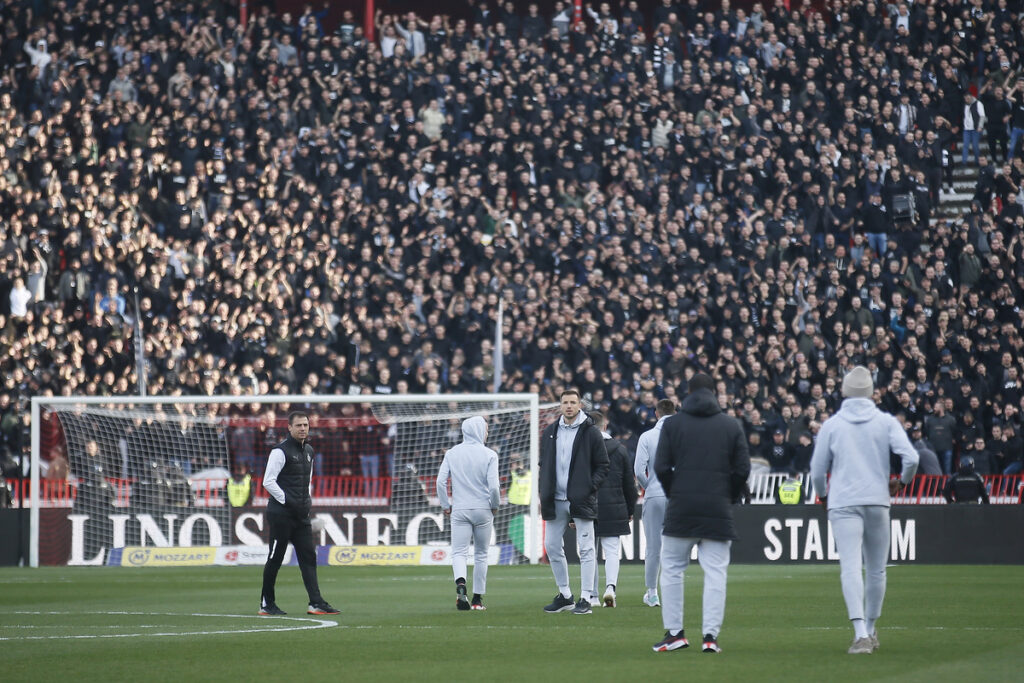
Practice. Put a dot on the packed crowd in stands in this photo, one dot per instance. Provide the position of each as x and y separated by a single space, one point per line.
695 187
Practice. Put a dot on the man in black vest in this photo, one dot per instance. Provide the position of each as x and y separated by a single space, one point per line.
287 480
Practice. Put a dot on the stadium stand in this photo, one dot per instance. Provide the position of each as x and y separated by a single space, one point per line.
288 207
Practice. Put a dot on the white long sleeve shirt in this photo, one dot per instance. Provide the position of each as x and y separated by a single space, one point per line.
472 468
643 466
853 445
275 462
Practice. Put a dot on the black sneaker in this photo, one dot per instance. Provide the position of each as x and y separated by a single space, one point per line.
461 601
559 604
321 608
271 610
671 642
478 603
710 644
582 607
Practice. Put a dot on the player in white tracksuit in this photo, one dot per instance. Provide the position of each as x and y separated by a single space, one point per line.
472 469
853 446
654 499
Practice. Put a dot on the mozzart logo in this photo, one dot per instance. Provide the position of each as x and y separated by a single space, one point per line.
345 555
139 557
362 555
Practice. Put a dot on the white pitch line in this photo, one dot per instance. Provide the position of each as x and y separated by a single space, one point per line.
915 628
310 624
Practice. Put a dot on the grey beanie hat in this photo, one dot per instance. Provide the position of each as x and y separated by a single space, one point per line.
858 383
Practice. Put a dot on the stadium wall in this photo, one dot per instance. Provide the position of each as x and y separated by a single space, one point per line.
784 534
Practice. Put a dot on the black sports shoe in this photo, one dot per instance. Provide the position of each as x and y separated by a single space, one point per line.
271 610
559 604
582 607
710 644
478 603
671 642
321 608
461 601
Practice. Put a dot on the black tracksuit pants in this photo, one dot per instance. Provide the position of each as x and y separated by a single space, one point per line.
287 528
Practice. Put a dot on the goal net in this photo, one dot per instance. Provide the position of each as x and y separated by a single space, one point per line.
113 476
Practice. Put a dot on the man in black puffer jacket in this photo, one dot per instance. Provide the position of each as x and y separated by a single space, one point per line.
703 465
616 500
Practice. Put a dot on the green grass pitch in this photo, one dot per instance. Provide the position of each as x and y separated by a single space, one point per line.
783 623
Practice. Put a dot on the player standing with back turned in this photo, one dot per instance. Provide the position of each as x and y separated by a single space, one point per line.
472 468
853 445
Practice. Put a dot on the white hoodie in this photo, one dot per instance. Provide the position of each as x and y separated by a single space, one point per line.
473 470
854 446
643 466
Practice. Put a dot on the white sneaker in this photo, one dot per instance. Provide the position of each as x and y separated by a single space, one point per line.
861 646
874 641
652 600
609 596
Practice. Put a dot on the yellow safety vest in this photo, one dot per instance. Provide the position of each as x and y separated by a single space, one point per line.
519 489
789 492
238 491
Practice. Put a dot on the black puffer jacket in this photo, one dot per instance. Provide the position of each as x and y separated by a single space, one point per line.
703 465
588 469
617 496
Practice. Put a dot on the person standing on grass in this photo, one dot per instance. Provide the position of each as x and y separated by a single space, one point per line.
853 447
703 465
616 500
287 479
472 469
573 464
654 499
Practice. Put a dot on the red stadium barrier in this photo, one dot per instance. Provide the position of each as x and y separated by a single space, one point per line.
206 492
925 489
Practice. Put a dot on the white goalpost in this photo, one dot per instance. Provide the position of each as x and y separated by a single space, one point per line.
119 474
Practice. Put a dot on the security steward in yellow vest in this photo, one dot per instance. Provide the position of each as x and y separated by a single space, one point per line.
789 492
240 490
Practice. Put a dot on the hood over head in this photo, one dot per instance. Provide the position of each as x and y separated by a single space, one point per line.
474 429
702 403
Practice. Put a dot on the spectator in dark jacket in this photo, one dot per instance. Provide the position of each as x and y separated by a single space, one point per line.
780 452
573 464
939 429
616 500
703 465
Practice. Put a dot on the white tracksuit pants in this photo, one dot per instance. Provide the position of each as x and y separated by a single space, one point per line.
554 547
862 539
475 525
714 560
610 548
654 521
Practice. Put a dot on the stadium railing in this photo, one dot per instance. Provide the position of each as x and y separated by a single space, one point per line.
347 490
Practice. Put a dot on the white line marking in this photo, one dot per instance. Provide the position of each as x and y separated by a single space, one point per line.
915 628
307 624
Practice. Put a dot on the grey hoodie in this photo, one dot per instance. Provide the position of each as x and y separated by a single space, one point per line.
473 470
853 445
